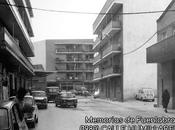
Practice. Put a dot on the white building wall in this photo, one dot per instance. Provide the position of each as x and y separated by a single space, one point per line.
137 29
40 53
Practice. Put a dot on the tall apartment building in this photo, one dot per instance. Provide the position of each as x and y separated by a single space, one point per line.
72 60
16 47
163 54
120 68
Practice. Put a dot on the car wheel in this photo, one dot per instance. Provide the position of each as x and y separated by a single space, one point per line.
56 105
36 120
75 105
141 99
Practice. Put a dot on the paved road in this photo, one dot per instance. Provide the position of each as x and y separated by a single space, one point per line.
55 118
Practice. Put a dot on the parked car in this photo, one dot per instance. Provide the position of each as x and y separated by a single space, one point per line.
30 110
11 117
145 94
40 98
86 93
51 92
66 99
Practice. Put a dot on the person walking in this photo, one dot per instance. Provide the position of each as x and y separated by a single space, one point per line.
165 99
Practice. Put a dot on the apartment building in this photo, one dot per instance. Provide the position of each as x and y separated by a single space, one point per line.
120 67
72 60
163 54
16 47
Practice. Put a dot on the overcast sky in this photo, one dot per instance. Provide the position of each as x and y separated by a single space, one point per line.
54 25
48 25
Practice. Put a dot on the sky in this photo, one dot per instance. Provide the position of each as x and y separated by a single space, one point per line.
54 25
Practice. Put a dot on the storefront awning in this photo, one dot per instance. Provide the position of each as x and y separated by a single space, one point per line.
162 51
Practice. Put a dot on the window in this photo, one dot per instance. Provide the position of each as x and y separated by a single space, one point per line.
96 54
96 70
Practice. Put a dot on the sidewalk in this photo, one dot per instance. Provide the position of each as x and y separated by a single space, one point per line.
141 105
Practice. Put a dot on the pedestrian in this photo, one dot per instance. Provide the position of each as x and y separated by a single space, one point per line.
165 99
19 100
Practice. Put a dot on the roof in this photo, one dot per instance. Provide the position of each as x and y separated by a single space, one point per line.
163 14
70 41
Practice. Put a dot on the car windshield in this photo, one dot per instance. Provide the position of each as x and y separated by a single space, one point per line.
3 119
39 94
148 91
28 100
52 90
68 95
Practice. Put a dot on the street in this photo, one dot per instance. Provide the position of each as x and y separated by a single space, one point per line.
56 118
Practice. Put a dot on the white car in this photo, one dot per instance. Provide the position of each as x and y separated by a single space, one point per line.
96 93
145 94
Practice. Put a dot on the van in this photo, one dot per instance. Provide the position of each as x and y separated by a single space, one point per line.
145 94
52 92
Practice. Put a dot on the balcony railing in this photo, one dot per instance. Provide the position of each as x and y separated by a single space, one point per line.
20 30
115 70
97 59
57 61
97 76
74 70
97 43
112 28
114 48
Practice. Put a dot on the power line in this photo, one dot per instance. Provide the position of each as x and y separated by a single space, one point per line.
78 12
127 53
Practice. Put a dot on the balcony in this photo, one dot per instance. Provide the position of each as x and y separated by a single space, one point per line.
162 51
71 51
97 42
73 70
11 46
15 25
111 6
112 28
25 14
60 61
111 72
97 76
112 49
97 59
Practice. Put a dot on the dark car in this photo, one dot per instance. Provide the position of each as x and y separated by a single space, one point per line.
51 92
30 110
11 118
40 98
66 99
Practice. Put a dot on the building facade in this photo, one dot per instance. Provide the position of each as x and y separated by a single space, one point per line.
72 61
163 54
16 47
39 81
120 67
